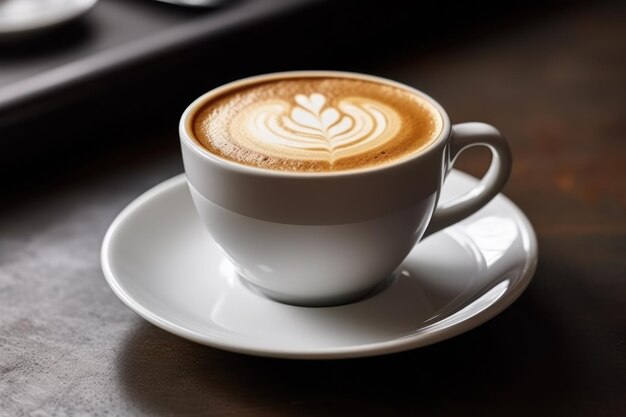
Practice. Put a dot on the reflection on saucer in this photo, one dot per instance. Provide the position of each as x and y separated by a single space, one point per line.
492 235
159 260
433 289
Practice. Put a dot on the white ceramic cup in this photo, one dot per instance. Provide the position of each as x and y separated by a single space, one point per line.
332 237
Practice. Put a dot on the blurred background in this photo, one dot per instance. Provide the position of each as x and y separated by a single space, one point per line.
120 72
90 97
104 82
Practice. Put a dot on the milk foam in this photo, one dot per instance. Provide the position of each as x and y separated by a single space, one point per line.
316 124
308 128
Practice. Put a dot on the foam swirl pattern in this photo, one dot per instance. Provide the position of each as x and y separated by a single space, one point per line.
310 129
316 124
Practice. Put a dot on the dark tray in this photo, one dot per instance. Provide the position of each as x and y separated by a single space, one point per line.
125 57
138 63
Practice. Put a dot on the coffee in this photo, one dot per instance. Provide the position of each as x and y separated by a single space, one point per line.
316 124
299 167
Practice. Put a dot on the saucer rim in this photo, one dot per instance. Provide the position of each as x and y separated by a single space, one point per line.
402 343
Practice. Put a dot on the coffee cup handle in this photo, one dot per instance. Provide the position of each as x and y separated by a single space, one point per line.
466 135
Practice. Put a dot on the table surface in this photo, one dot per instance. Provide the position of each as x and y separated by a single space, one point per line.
554 84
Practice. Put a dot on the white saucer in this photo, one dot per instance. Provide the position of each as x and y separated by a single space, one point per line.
159 260
25 16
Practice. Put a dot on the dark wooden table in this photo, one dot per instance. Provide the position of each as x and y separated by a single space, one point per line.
554 84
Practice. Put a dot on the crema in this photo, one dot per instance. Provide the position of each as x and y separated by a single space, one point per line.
316 124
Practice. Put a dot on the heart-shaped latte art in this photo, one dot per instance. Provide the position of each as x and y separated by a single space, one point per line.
309 128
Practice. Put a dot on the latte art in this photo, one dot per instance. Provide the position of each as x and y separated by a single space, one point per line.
316 124
309 129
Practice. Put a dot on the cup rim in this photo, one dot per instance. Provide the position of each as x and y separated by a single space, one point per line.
187 116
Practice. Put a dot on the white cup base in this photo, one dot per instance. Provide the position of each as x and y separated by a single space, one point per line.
319 301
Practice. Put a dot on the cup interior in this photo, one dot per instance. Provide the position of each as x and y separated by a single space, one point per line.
188 136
